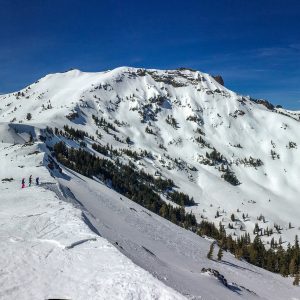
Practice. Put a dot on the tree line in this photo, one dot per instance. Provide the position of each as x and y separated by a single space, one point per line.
135 184
145 190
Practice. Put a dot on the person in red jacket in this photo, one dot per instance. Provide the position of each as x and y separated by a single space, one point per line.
23 183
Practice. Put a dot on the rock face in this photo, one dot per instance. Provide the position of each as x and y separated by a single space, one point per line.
266 103
219 79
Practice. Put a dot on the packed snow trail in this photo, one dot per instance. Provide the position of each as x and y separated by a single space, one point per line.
48 251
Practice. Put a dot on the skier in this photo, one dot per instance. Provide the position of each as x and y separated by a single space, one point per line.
23 183
37 181
30 180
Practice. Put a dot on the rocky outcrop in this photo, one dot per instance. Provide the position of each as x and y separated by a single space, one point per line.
216 274
219 79
266 103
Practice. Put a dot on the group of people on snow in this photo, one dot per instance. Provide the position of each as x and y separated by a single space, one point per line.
37 181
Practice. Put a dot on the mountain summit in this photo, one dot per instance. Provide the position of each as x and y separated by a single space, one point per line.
232 154
148 164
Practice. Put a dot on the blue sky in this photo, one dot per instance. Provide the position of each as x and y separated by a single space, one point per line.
254 45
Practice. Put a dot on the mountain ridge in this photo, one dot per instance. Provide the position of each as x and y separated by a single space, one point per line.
181 117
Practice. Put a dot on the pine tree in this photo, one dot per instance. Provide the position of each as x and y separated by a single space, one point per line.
292 266
30 138
211 250
232 218
297 279
296 243
220 253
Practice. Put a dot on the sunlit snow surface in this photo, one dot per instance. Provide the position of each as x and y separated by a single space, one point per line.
39 227
47 250
226 118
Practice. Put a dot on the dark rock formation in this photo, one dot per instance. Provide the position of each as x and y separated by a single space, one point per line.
266 103
219 79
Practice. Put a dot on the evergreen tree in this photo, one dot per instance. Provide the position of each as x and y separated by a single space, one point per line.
296 280
292 266
232 218
30 138
211 250
220 253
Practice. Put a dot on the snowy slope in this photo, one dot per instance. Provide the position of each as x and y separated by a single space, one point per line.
64 238
48 251
174 255
237 127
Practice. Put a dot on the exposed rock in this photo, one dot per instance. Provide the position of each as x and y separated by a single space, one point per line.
219 79
216 274
266 103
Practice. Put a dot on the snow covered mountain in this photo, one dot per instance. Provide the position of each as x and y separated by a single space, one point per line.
234 155
179 117
65 239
